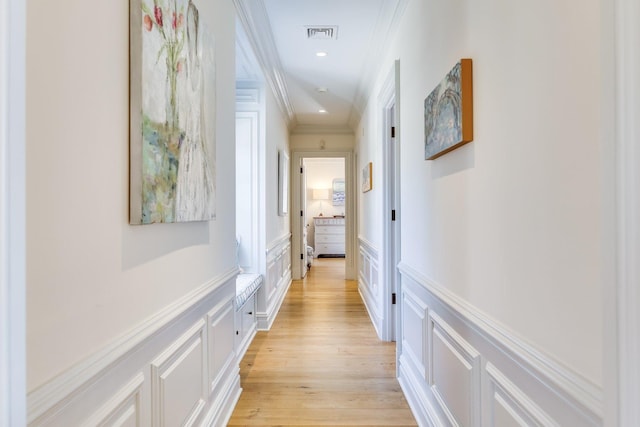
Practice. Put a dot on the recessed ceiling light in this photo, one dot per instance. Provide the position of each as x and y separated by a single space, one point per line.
322 89
321 54
322 110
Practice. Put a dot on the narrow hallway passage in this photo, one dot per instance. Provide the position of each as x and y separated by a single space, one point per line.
321 363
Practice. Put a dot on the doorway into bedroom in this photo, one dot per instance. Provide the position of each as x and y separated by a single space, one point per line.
323 219
323 210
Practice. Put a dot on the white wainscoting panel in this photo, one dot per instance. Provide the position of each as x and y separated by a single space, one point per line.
221 330
455 372
414 335
176 368
464 369
123 409
510 406
178 380
278 280
369 285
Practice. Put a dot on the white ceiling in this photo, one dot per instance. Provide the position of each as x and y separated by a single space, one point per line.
276 33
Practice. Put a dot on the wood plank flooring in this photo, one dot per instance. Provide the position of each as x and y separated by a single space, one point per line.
321 363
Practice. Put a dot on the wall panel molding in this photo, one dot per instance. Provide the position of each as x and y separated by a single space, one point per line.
277 281
455 372
469 341
416 339
124 408
369 283
171 351
514 403
220 330
179 380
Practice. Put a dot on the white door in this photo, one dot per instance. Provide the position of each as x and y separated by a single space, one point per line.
303 220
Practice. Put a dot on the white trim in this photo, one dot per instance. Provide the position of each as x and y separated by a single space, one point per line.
627 21
321 130
255 20
386 27
578 388
519 404
69 382
224 403
419 402
132 390
12 213
351 244
467 356
368 247
278 243
391 230
167 362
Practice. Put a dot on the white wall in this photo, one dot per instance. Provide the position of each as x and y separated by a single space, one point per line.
322 142
369 149
510 225
320 173
91 276
277 138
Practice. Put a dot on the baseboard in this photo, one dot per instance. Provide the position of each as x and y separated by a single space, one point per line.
123 379
458 366
266 318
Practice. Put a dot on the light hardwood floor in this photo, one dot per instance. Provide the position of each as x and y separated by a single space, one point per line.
321 363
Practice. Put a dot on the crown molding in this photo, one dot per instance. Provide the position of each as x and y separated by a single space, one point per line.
255 21
386 28
322 130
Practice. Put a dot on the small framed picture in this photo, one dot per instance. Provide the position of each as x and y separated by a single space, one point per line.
367 177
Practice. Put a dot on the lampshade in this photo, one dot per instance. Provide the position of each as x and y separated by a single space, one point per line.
320 194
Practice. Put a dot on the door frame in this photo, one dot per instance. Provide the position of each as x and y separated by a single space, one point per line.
12 213
388 101
350 212
622 301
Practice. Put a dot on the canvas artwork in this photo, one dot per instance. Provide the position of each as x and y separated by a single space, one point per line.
172 166
367 177
338 194
448 112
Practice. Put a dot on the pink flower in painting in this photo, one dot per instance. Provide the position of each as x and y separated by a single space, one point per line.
158 14
179 67
148 23
177 20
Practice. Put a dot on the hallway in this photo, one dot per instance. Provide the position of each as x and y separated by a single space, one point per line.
321 363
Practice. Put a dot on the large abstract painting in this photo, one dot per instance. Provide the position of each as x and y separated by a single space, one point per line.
172 74
448 112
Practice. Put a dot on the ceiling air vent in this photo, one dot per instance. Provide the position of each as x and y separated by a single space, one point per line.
322 32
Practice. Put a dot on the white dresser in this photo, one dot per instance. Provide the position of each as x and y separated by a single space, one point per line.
329 236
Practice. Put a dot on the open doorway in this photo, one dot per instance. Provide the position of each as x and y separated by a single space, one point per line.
323 185
322 193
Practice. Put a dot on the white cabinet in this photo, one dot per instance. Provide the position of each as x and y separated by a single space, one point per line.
329 236
245 317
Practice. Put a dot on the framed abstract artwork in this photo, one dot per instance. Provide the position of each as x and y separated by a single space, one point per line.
337 192
367 177
448 112
172 113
